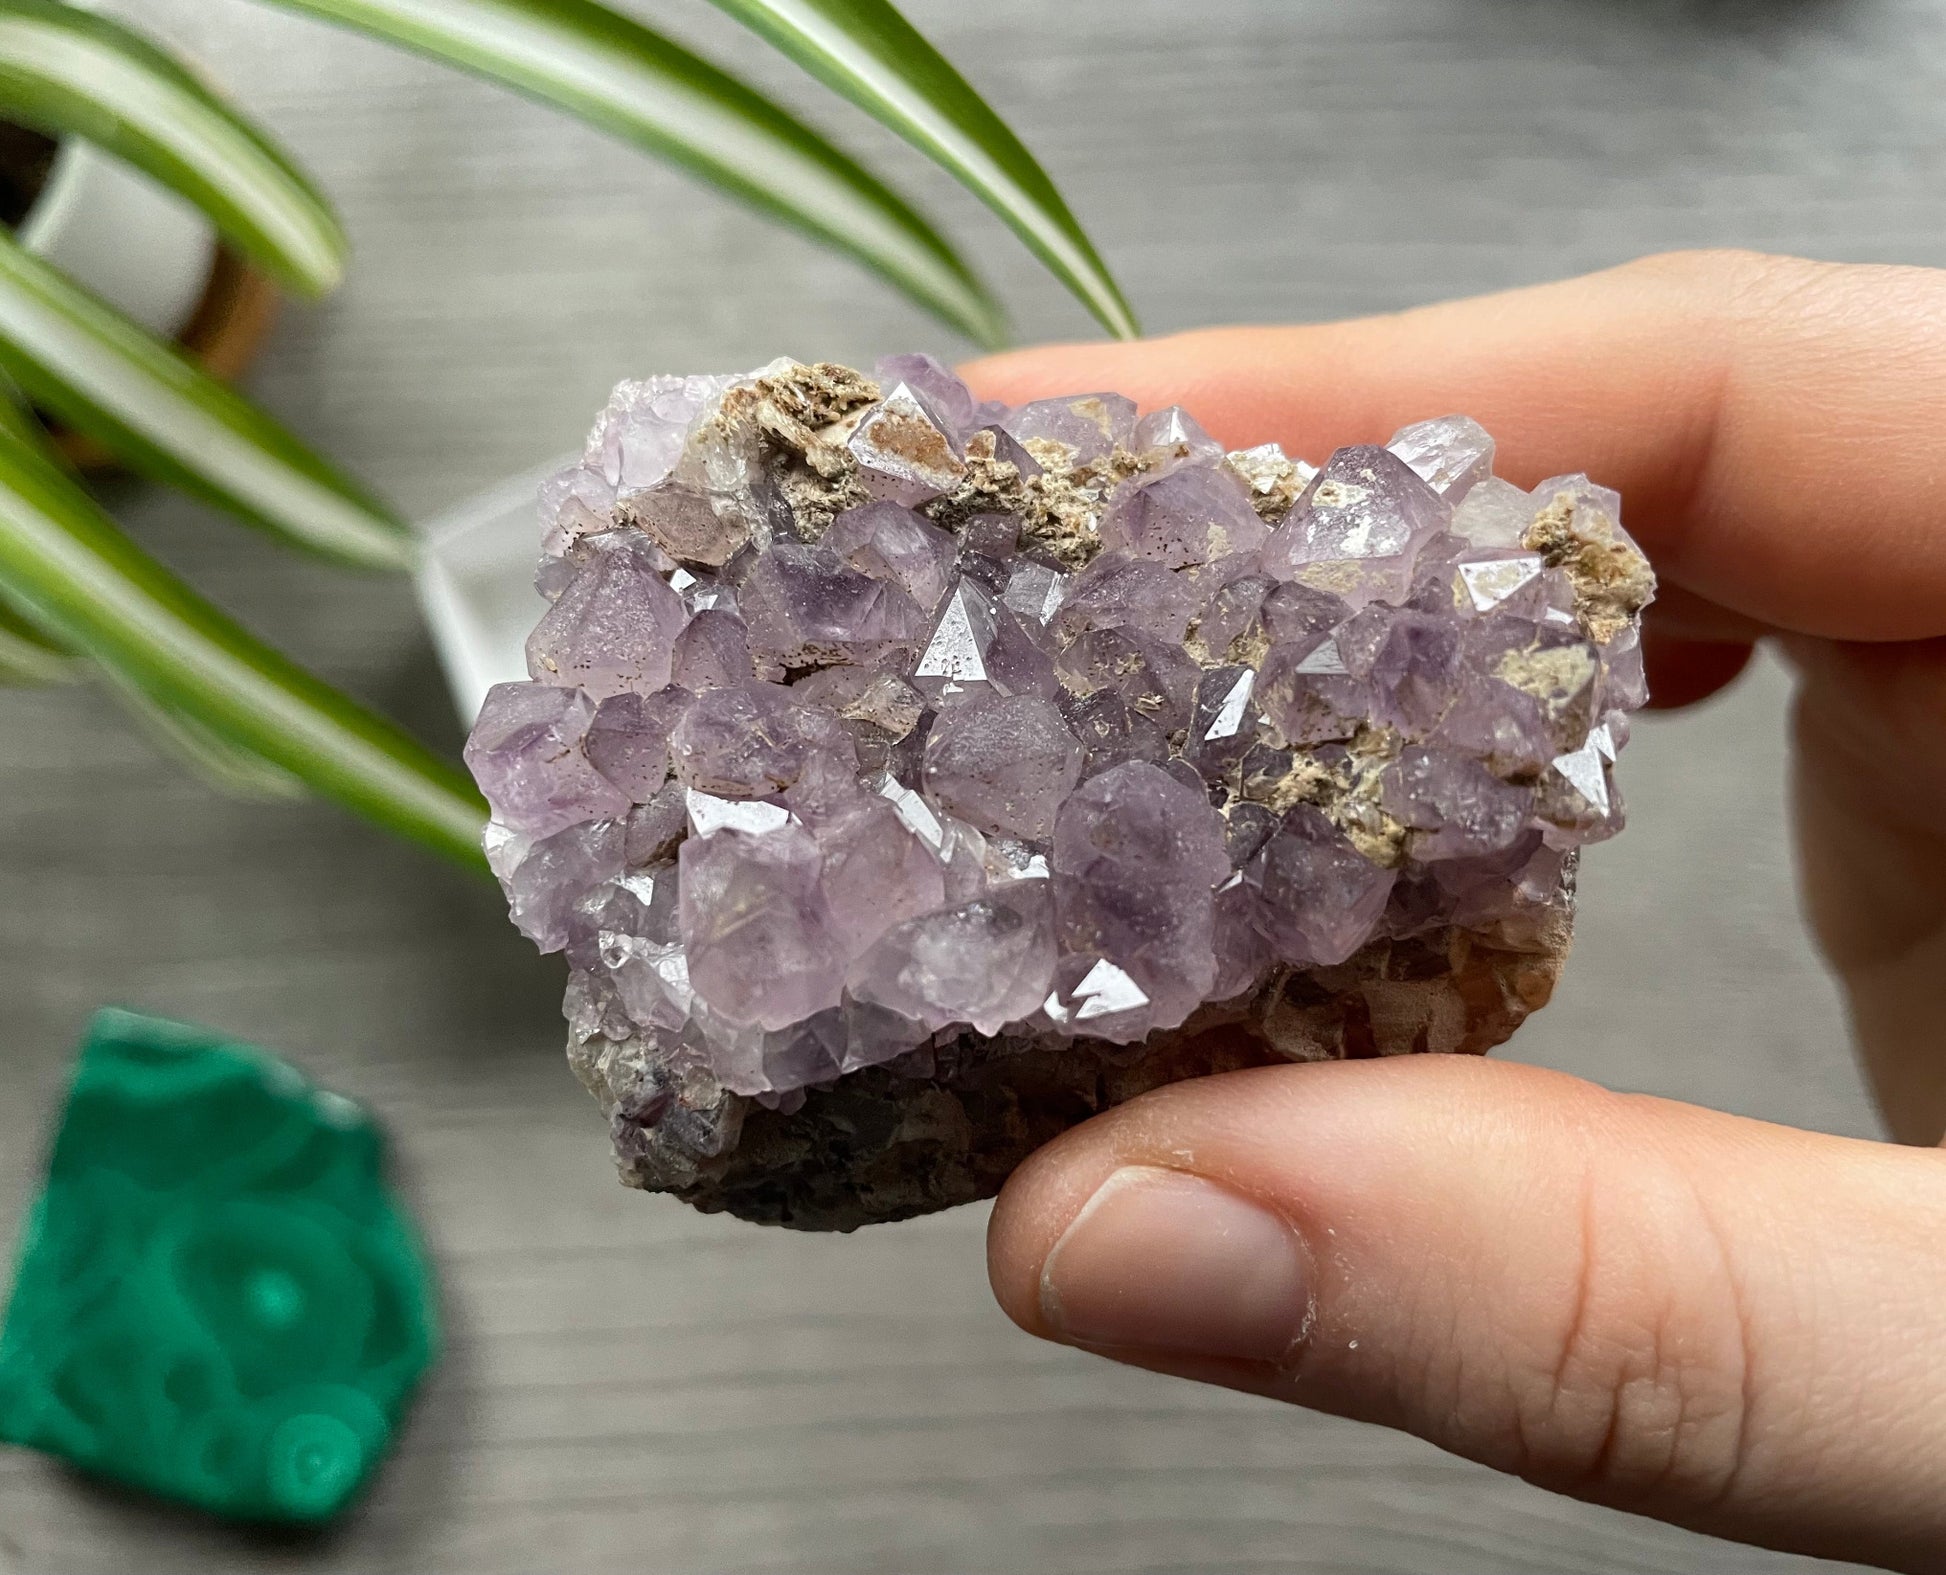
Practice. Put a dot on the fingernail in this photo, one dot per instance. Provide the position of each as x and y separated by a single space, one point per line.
1161 1261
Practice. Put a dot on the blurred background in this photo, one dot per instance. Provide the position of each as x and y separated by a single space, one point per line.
628 1384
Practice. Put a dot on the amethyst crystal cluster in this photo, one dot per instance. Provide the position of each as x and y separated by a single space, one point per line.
907 777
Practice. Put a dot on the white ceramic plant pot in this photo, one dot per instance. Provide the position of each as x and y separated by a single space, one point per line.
476 586
134 243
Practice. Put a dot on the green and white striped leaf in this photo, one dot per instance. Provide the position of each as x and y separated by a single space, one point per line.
161 415
28 657
633 83
70 73
867 51
28 654
73 576
223 765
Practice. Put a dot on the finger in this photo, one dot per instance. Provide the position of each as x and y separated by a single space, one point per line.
1679 613
1692 648
1714 1321
1771 423
1871 728
1684 672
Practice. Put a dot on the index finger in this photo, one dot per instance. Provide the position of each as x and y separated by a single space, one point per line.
1777 428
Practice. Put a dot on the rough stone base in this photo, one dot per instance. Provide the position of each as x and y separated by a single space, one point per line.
895 1141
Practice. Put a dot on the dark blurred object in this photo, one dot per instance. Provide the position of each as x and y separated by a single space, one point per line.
25 158
218 1299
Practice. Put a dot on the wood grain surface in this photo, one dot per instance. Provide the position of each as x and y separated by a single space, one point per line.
632 1387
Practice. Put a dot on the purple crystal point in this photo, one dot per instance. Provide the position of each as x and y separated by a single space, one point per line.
1152 677
639 437
892 543
1528 692
1494 515
555 874
527 754
904 450
1092 426
805 607
613 628
880 711
1358 528
1229 615
1453 806
1112 731
1035 592
978 646
1003 764
1194 514
1223 722
1413 662
628 741
947 399
1451 455
1319 897
763 947
995 446
689 525
1577 796
575 502
1117 591
1309 695
687 489
985 963
1297 612
907 777
712 652
1167 440
754 741
1486 579
1137 857
877 871
636 442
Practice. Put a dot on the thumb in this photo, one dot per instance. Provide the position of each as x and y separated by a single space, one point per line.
1730 1325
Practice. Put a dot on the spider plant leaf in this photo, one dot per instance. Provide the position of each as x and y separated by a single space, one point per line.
208 755
28 657
28 653
867 51
161 415
17 423
71 574
645 89
69 72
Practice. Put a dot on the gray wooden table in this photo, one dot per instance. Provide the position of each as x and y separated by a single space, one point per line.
629 1386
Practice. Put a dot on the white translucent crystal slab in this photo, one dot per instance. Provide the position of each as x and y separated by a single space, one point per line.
476 585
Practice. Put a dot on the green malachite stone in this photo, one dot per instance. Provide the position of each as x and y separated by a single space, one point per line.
218 1297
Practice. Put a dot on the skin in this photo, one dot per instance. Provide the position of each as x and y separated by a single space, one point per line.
1718 1322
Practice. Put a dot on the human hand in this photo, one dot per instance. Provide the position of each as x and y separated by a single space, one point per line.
1726 1324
